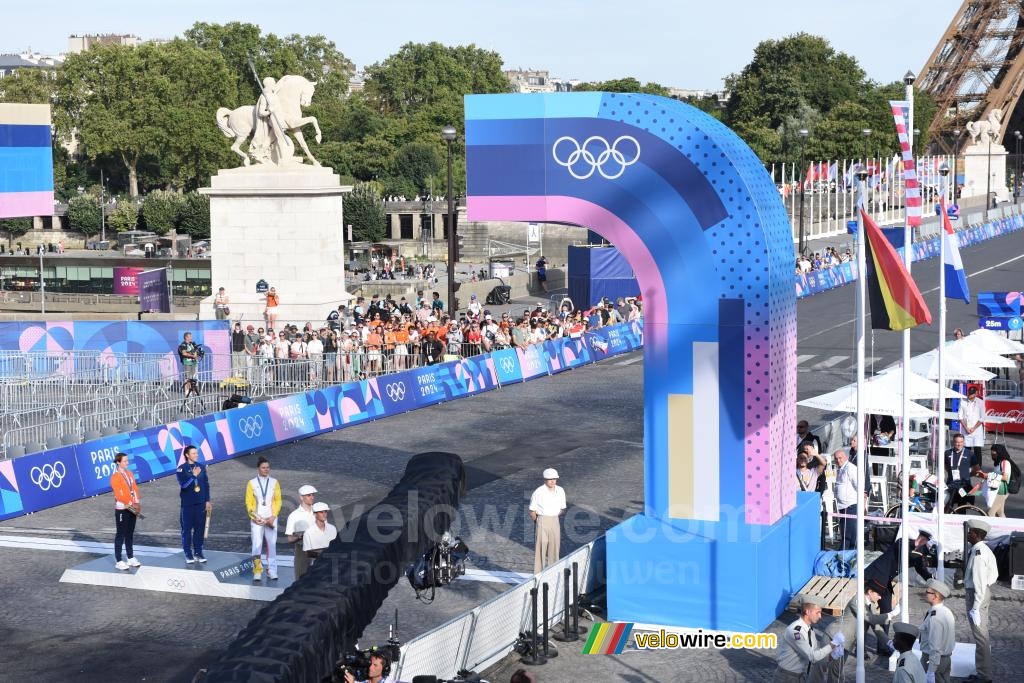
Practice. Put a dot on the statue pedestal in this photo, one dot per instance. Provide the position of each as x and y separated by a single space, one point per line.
976 167
282 225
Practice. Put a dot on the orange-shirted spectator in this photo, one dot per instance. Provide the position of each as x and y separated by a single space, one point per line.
376 321
401 335
126 510
373 345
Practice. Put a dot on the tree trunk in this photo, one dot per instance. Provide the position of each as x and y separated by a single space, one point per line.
133 178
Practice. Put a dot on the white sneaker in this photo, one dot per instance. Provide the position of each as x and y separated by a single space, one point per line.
132 562
122 565
257 576
272 577
190 560
200 559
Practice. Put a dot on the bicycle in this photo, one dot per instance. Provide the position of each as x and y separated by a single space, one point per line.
924 501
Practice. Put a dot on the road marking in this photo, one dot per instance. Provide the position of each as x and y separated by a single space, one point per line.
630 361
638 444
804 357
933 289
832 361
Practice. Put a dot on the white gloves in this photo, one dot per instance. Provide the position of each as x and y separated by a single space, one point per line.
975 616
839 639
891 616
837 653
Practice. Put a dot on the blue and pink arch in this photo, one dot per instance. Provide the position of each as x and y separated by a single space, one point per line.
723 539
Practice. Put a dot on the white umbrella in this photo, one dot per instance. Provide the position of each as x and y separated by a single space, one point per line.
927 365
878 398
967 351
917 386
993 342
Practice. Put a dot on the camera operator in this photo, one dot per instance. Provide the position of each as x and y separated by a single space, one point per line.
380 667
189 354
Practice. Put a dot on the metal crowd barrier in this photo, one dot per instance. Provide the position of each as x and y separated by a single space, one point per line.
483 636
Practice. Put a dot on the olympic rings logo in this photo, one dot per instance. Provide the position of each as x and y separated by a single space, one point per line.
176 584
48 476
395 391
508 365
251 426
595 154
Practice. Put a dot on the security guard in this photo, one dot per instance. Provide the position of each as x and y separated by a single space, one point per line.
908 667
797 651
979 575
195 504
938 633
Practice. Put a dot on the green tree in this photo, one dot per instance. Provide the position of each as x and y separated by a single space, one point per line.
760 137
424 74
628 85
364 211
161 211
195 216
16 227
28 86
124 216
799 69
419 163
84 214
151 104
314 57
839 135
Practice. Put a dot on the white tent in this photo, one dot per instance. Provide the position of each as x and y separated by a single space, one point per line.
917 386
993 342
972 353
878 399
927 365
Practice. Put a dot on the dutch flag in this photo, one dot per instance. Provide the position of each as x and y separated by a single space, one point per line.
952 266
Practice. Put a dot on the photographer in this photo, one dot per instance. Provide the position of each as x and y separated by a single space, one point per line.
189 353
377 672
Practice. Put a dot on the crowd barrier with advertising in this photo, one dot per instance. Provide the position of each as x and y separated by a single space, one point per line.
44 480
809 284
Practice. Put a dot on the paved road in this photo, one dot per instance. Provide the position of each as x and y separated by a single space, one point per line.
587 422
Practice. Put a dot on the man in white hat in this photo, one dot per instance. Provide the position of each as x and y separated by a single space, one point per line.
938 633
547 504
979 575
298 522
798 651
320 533
908 667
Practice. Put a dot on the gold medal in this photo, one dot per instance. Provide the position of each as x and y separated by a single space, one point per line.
196 488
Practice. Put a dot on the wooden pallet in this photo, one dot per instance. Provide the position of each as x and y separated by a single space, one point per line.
836 593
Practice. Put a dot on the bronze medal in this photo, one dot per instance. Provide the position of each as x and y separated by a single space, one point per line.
196 488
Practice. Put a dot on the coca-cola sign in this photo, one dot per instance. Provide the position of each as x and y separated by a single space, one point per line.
1011 410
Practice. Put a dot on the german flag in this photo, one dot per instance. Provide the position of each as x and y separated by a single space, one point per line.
896 302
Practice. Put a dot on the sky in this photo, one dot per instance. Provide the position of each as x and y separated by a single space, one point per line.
678 43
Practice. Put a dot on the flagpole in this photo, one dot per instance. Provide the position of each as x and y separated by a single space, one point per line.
908 252
862 444
940 434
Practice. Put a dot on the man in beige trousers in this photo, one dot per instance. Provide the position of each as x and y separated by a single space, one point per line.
547 504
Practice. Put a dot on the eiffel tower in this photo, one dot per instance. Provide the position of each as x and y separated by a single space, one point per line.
977 67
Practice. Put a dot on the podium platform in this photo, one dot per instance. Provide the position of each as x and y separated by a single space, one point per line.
225 575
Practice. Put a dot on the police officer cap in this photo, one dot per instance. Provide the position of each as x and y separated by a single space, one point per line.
551 473
978 525
306 490
321 507
939 587
812 600
924 532
906 629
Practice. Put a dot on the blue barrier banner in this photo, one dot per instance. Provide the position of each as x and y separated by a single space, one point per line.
397 392
43 480
506 364
532 362
250 428
48 478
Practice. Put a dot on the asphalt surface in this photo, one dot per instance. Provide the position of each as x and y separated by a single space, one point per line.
587 423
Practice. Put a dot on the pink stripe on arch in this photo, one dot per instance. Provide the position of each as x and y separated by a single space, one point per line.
18 204
599 219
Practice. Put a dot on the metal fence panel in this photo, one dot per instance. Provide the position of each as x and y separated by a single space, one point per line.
498 623
439 652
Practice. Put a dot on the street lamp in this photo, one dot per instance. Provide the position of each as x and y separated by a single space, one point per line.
800 240
988 177
103 210
1016 175
449 134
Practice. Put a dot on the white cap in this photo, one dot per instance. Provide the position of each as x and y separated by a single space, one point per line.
321 507
551 473
306 490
